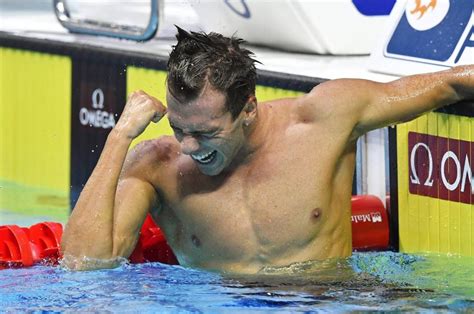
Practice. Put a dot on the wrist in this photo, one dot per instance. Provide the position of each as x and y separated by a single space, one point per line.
118 135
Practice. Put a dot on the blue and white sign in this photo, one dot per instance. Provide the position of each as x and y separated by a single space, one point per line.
427 35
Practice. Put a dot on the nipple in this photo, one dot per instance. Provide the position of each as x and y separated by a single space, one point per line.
196 241
316 213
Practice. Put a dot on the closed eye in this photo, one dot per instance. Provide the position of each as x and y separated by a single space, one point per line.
177 131
208 134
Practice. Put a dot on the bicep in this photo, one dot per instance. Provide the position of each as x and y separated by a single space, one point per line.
401 100
133 201
355 106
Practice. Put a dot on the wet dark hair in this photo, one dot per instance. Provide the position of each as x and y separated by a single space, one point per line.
198 58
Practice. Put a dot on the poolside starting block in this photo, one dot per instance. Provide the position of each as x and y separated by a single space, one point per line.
40 243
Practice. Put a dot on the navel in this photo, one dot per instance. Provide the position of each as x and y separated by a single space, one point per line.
316 213
195 240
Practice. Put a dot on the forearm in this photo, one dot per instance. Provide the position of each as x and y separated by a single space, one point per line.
89 231
463 81
94 236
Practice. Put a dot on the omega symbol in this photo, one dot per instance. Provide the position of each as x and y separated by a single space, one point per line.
98 99
414 177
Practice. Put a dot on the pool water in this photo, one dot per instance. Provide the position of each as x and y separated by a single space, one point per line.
366 281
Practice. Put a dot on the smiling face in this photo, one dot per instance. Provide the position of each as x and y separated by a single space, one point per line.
206 130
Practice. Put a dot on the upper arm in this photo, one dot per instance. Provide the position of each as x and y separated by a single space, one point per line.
364 105
135 198
405 99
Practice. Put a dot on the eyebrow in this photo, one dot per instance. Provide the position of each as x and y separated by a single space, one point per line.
202 131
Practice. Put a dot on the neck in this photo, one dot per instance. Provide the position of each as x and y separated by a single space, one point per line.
256 134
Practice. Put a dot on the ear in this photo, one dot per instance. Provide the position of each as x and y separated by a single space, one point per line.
250 110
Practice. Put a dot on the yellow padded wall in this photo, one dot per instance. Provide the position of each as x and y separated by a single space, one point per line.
429 224
35 106
153 83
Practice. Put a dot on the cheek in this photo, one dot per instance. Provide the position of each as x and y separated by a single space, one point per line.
220 145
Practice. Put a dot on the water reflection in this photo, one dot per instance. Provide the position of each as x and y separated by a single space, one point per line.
366 281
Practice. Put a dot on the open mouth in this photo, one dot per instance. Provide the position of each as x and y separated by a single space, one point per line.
204 158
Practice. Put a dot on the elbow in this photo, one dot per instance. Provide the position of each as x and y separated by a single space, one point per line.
77 257
462 82
84 263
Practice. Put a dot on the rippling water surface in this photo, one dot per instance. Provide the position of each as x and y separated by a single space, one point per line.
366 281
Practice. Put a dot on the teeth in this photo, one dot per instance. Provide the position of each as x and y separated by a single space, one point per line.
204 158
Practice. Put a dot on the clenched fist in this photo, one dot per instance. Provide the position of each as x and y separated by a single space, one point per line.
139 111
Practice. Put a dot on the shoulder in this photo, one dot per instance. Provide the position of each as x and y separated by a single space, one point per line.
335 99
152 154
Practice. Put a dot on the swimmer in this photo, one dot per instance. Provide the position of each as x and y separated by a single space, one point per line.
241 185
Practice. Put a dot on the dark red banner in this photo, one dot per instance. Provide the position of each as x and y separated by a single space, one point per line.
441 167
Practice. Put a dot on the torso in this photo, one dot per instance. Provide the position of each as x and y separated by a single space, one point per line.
290 204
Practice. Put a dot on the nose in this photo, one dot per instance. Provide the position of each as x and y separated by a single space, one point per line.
189 145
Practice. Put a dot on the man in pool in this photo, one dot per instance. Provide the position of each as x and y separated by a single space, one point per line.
241 185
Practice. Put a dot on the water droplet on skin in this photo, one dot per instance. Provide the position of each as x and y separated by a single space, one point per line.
180 173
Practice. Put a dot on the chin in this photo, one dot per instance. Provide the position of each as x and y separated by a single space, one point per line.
214 171
211 172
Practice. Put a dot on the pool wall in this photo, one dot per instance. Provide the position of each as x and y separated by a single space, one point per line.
35 137
435 182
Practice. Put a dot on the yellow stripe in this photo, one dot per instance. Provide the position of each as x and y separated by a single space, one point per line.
35 110
443 126
433 203
153 83
265 93
402 166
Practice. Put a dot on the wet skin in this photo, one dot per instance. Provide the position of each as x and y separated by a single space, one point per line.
269 188
256 202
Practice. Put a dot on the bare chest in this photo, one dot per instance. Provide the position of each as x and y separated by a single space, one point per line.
276 202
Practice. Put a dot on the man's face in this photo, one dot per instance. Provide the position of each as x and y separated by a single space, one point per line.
206 130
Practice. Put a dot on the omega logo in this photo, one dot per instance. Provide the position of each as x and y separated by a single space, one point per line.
414 177
466 172
98 99
447 173
97 118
